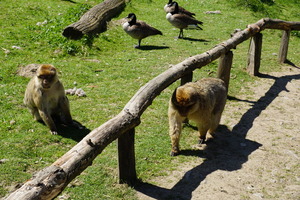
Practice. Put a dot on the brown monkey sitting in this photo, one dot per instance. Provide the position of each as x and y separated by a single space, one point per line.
202 102
45 97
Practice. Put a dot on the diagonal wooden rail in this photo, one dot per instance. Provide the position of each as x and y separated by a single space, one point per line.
50 181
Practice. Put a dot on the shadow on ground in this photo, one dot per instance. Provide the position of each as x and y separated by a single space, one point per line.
228 151
73 133
151 47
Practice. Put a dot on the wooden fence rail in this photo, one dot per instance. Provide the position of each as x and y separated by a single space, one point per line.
50 181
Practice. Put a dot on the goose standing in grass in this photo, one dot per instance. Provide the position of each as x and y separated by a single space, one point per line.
138 29
168 8
182 21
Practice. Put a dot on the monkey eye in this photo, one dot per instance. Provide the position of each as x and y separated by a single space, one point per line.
47 77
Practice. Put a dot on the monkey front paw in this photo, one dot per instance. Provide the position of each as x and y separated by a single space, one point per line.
201 141
54 132
77 125
174 153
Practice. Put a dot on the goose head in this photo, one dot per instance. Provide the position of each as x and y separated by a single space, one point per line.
174 5
132 18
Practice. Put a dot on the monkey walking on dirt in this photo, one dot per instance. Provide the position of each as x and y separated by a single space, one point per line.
203 102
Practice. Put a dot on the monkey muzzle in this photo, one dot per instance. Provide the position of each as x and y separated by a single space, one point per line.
183 112
46 84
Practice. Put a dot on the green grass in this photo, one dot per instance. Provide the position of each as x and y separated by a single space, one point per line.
27 146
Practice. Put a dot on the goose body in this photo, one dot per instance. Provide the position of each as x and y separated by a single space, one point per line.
182 21
139 29
168 8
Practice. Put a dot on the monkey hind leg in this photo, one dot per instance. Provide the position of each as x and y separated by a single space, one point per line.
202 133
214 124
175 137
174 132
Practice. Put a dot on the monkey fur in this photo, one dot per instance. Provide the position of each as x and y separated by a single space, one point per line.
45 98
203 102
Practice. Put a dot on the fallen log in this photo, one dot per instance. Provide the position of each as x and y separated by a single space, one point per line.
94 20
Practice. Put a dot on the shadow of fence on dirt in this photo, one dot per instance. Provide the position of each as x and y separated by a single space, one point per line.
228 151
248 118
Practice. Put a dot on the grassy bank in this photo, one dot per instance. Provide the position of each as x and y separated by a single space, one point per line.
110 71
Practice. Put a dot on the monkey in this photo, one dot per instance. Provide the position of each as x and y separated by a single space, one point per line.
45 98
203 102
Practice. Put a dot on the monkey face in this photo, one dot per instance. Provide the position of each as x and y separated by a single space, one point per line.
46 75
184 100
46 81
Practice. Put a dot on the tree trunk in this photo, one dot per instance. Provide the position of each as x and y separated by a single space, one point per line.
94 21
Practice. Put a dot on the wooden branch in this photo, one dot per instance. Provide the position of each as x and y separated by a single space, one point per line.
49 182
94 21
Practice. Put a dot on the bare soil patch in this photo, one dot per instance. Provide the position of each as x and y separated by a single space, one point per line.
256 151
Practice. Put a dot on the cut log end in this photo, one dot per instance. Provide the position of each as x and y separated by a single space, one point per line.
72 33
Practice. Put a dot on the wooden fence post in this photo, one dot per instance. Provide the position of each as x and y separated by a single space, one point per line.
284 46
187 78
225 63
127 172
254 54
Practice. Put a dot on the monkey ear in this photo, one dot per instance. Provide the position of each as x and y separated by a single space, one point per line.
174 99
53 69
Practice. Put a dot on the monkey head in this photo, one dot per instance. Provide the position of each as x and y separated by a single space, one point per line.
185 100
46 76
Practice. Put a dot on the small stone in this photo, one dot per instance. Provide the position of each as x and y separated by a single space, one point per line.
259 195
3 160
16 47
243 144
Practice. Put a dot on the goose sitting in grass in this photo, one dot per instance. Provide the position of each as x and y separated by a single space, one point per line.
168 8
138 29
182 21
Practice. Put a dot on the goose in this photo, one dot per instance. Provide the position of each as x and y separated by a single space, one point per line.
168 8
182 21
138 29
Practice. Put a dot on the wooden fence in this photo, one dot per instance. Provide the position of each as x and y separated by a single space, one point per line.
50 181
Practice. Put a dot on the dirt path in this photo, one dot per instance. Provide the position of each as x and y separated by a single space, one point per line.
255 156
